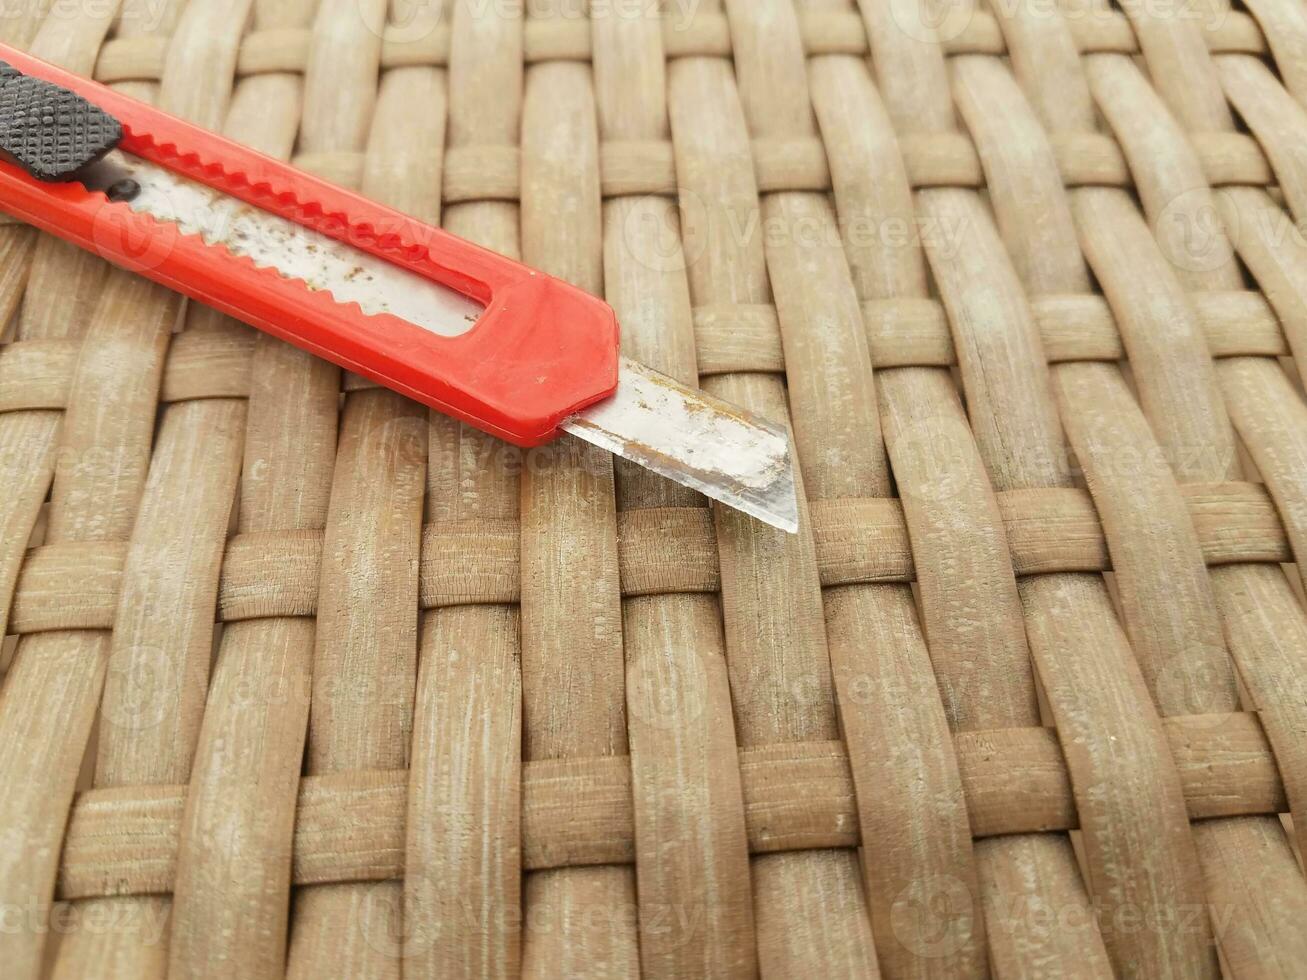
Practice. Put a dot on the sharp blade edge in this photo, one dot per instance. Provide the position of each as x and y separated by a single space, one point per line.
698 441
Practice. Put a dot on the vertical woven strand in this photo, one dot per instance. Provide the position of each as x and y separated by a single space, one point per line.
1284 23
1127 794
1268 241
27 439
1167 598
781 684
462 877
973 615
922 889
572 658
692 859
1167 618
104 450
365 651
379 527
163 631
1277 121
364 665
231 900
97 486
1167 601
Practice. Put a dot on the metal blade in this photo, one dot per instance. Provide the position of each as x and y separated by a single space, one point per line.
697 440
350 274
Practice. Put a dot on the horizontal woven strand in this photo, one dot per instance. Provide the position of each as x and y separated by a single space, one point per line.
579 812
490 172
35 374
661 551
706 33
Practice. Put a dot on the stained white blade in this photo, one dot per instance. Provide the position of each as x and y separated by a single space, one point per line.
350 274
697 440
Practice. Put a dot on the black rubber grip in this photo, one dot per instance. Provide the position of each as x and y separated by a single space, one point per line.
50 132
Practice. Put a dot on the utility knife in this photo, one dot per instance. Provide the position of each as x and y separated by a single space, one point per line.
470 333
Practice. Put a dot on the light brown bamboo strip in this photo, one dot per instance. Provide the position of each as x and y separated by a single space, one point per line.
379 476
163 633
15 262
163 630
901 332
572 661
1285 26
1278 122
909 65
379 483
777 657
66 291
797 795
1176 197
30 439
1266 645
1269 242
331 926
104 448
850 114
1272 421
1271 886
1181 69
1168 605
836 415
260 682
464 794
969 598
1086 668
463 851
246 742
275 573
692 870
27 444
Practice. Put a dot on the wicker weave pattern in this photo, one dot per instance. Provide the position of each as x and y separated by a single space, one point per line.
1026 281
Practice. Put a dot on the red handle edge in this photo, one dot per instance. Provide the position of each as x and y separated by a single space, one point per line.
541 350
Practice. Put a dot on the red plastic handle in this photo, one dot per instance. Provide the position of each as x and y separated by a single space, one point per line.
539 352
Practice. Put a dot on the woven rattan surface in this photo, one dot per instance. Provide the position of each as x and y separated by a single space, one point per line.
301 678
